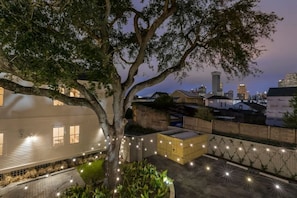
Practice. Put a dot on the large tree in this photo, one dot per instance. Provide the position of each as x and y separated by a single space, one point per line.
55 42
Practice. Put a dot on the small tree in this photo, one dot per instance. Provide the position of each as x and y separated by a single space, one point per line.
54 42
290 118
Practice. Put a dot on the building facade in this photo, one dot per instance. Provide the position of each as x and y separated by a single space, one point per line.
290 80
217 87
278 102
37 130
242 93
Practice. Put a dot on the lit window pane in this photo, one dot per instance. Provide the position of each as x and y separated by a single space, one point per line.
1 143
74 134
1 96
58 136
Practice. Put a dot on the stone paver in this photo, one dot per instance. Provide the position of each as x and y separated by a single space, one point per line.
215 179
44 187
190 181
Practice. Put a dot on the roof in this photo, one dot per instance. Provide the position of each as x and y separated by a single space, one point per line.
282 91
159 94
255 106
189 94
218 97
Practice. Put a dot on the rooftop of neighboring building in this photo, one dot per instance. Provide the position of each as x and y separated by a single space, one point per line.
282 91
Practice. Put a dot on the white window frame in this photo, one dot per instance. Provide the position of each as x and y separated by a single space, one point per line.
1 96
58 102
74 134
1 143
58 136
74 93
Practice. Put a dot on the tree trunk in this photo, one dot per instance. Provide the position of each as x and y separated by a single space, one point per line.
111 163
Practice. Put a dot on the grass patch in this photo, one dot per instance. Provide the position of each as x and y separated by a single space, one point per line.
91 172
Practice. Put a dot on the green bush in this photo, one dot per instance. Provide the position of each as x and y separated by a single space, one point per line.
139 180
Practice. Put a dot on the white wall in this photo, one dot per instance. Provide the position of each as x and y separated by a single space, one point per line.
276 107
27 123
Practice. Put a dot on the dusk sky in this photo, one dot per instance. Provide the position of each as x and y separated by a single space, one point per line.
279 59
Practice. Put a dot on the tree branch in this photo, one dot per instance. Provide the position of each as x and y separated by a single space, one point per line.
159 78
17 88
145 39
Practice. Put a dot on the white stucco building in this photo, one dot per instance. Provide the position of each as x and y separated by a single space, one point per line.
278 103
36 130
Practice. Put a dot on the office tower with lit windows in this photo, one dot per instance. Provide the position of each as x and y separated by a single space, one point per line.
242 92
217 87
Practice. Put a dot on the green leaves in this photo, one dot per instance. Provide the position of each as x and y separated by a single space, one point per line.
290 118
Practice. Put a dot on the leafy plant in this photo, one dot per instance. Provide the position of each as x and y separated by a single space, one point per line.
139 179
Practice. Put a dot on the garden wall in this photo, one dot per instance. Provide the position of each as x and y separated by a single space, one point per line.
250 130
150 118
275 160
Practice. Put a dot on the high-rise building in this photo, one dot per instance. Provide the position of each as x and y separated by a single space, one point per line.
217 86
290 80
242 93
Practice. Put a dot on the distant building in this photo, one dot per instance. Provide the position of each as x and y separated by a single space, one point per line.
229 94
201 90
158 94
182 96
242 93
219 102
278 103
250 106
290 80
217 87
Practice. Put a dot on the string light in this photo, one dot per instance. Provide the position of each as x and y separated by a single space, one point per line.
26 187
254 149
277 186
249 179
227 147
203 146
240 148
267 149
191 163
191 145
215 147
181 144
151 140
283 150
58 194
227 173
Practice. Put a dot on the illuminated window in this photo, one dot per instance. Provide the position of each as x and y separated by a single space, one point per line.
57 102
58 136
1 143
1 96
74 134
74 93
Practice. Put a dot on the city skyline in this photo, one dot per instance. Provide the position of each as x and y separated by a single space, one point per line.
279 59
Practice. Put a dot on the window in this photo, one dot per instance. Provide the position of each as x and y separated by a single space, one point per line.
58 136
1 143
74 93
74 134
1 96
57 102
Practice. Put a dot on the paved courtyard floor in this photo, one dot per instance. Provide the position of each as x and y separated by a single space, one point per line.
203 178
209 178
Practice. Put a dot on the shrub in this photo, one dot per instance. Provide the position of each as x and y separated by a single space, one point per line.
139 179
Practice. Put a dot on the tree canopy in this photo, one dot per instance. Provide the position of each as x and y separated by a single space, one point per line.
58 42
